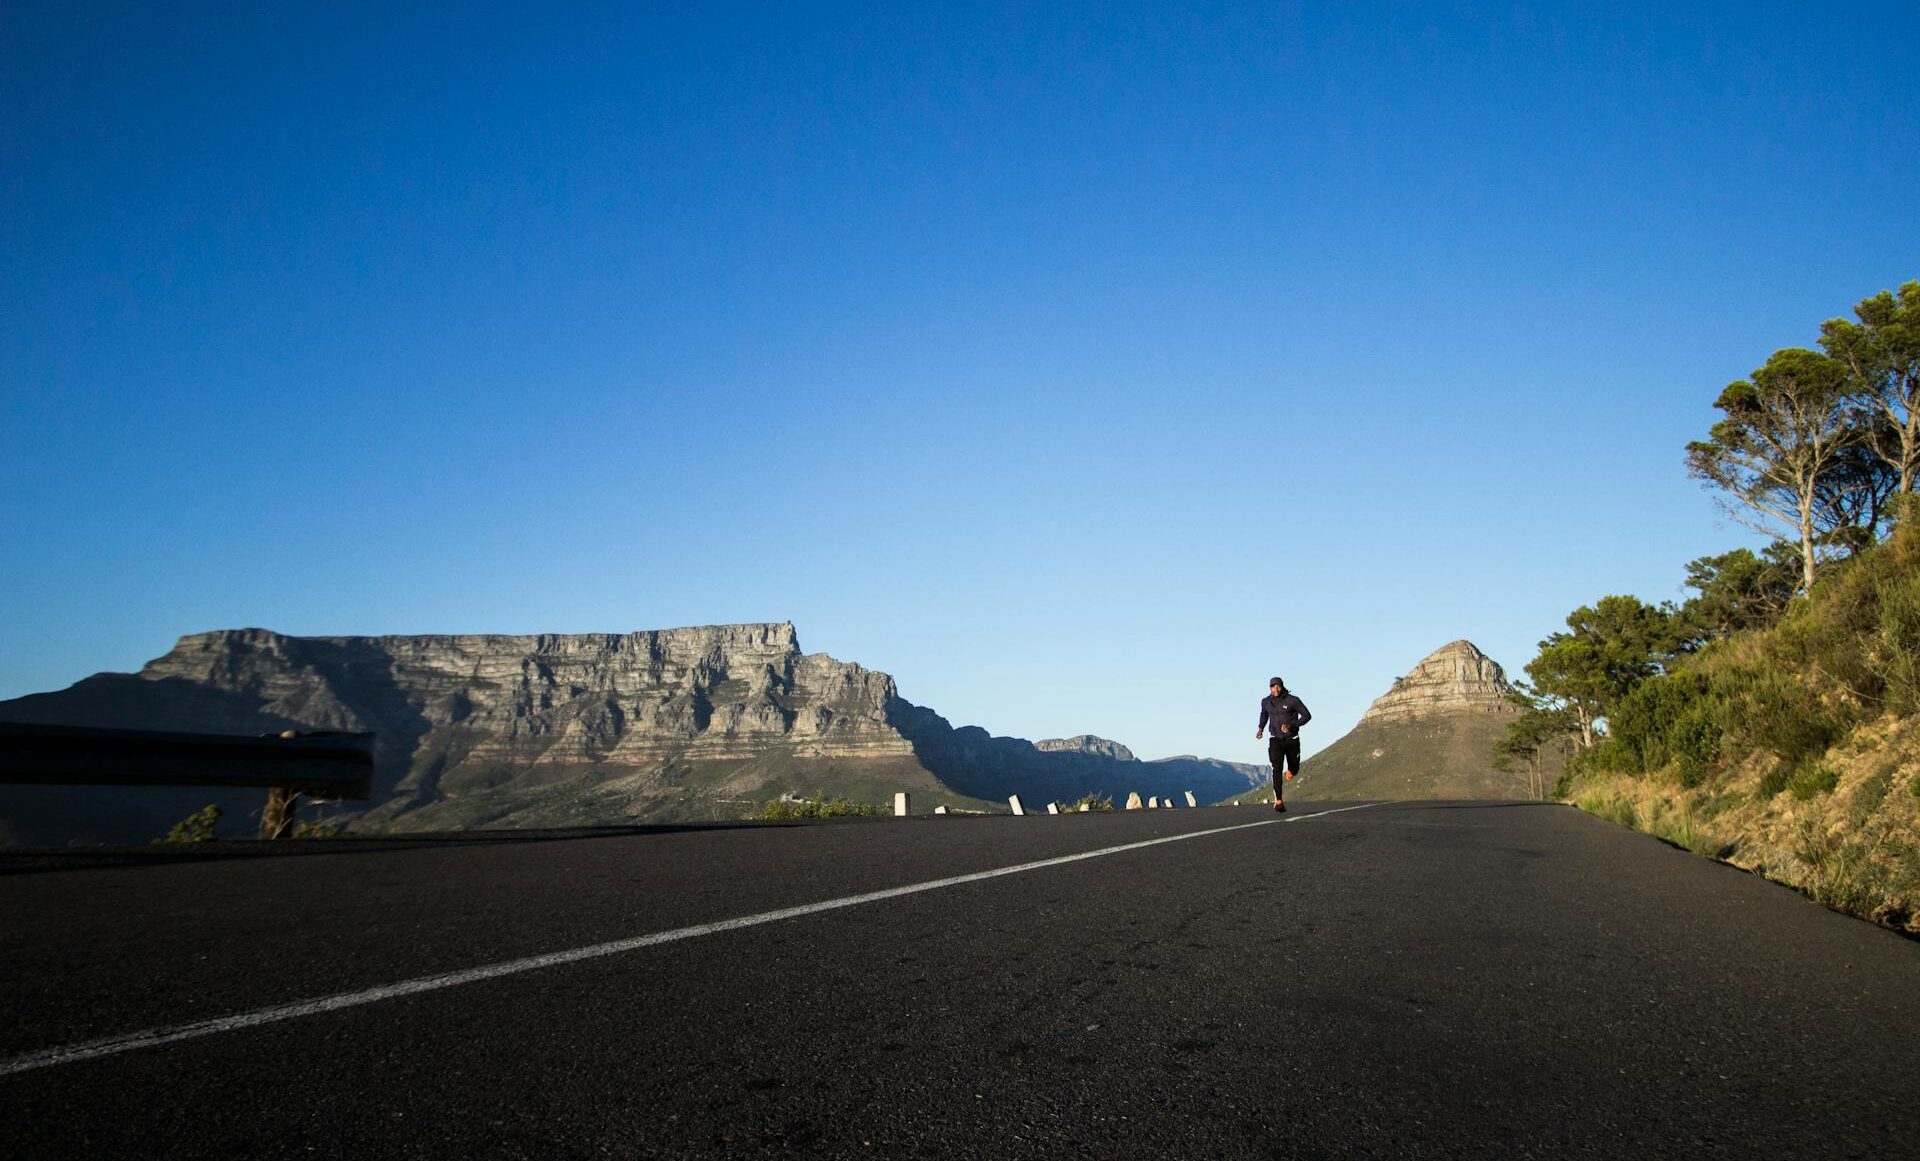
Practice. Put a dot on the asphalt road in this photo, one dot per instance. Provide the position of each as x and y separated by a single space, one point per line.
1405 980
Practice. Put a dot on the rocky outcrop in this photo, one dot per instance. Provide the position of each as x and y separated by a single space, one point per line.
1086 744
564 729
1454 678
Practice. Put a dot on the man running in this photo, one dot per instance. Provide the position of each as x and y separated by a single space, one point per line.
1286 713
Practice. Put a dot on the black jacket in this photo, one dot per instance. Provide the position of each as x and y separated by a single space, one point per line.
1285 710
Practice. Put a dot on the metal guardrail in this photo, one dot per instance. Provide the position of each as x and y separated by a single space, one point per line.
321 764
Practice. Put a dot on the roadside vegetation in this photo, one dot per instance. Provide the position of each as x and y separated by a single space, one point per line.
819 806
1773 719
195 828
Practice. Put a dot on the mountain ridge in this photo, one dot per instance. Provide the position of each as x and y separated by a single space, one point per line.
568 729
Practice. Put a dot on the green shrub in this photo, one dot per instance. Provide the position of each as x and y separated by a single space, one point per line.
1871 794
1775 780
818 806
1812 781
1090 802
195 828
1894 649
1605 756
1780 714
1712 805
1564 783
1859 636
1674 720
318 830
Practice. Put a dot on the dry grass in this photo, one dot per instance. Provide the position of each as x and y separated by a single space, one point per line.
1848 834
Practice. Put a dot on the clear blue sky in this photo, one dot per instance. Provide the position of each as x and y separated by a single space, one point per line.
1080 368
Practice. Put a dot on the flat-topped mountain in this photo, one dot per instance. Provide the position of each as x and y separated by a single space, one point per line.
564 729
1430 735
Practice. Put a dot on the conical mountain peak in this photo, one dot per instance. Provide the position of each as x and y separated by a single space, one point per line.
1456 676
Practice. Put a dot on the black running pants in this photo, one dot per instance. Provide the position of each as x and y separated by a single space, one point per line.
1281 750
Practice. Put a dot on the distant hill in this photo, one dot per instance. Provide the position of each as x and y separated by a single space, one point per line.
1430 735
565 730
1086 744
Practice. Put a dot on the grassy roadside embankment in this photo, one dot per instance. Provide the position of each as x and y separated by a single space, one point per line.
1850 846
1792 751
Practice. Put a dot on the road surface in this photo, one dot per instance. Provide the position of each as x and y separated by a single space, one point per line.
1403 980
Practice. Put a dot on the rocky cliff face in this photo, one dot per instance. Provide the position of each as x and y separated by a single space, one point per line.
712 693
1086 744
1454 678
564 729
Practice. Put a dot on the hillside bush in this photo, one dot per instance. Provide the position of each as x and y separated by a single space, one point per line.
1775 779
195 828
1090 802
1777 712
818 806
1893 655
1812 781
1673 721
1867 799
1859 635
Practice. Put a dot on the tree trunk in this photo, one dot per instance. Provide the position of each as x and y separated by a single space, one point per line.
276 821
1909 450
1806 542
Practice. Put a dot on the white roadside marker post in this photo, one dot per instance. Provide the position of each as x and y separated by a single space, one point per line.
1133 800
939 810
1014 802
1053 808
1191 800
901 802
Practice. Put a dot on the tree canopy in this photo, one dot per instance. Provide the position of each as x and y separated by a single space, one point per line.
1609 647
1737 590
1786 431
1882 355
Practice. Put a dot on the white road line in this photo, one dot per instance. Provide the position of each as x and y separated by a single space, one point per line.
154 1037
